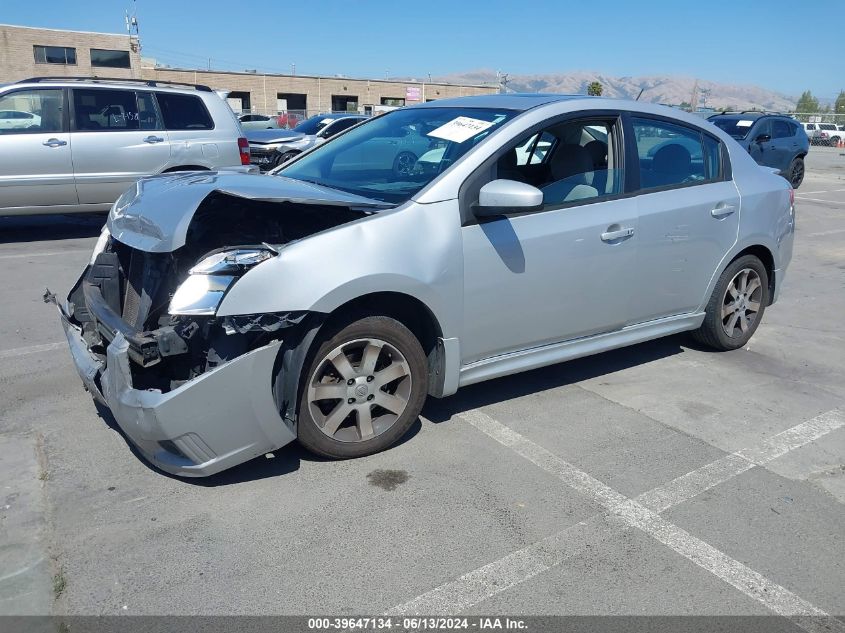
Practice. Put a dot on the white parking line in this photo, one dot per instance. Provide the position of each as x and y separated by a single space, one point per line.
819 200
528 562
33 349
694 483
52 254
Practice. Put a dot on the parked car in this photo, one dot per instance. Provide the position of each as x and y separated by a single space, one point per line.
258 122
18 120
89 140
773 140
828 134
271 149
325 302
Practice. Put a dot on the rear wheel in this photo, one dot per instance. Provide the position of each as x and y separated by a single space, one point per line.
795 173
365 386
736 305
281 160
834 142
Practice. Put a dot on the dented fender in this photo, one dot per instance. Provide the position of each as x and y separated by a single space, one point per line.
422 253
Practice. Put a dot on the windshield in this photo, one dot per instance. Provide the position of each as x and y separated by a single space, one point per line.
313 125
393 156
738 128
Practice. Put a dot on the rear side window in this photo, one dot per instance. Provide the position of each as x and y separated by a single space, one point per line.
183 112
148 118
672 155
781 129
104 110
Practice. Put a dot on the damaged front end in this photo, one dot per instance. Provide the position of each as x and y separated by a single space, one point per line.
196 393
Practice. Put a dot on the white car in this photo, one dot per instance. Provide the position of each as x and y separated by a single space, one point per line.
18 120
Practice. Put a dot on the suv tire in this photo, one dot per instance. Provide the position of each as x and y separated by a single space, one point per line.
795 172
364 387
736 306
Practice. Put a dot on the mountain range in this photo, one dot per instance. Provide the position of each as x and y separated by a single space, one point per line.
669 89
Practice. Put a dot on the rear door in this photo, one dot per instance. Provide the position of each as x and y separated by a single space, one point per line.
784 142
117 138
688 211
763 151
35 160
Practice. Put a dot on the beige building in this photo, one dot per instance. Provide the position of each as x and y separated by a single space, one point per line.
34 52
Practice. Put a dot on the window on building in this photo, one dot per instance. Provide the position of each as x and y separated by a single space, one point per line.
55 55
109 59
240 102
344 103
291 101
392 101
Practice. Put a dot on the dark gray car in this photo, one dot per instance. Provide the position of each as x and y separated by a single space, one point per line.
773 140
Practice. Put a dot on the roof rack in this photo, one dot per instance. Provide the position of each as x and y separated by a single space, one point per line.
768 112
147 82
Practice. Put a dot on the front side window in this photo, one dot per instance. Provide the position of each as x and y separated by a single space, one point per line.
109 59
393 156
55 55
571 161
31 111
183 112
104 110
669 154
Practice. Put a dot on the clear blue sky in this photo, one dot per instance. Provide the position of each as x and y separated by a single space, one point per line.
789 46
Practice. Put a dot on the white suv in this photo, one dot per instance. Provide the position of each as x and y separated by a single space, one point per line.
88 140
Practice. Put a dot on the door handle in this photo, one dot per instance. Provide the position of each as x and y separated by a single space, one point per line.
54 142
609 236
154 139
723 211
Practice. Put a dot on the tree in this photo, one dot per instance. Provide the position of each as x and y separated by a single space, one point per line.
595 89
807 103
839 105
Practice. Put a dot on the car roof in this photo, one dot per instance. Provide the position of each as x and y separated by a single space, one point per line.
748 115
507 101
112 83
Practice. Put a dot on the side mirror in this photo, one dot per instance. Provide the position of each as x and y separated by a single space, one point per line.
503 196
763 138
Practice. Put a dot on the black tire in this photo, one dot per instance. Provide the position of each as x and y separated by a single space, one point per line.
404 163
283 158
834 142
712 332
392 332
795 172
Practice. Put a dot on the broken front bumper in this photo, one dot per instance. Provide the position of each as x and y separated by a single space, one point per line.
222 418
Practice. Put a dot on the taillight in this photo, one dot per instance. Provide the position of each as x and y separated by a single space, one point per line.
243 147
791 196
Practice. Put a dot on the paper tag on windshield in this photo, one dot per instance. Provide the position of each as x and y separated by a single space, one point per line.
326 120
460 129
744 123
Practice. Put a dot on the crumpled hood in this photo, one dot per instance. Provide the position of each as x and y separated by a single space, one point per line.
266 137
155 214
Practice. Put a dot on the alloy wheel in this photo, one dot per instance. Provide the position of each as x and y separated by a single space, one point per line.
359 390
741 303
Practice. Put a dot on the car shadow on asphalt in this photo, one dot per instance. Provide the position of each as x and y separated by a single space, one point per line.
553 376
44 228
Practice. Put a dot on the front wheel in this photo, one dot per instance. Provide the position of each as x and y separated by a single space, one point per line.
364 388
404 163
795 173
736 305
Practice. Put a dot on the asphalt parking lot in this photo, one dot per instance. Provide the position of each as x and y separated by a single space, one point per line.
660 479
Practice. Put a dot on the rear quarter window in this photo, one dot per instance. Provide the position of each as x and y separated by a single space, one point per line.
183 112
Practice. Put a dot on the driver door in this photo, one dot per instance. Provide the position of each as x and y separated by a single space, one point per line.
556 274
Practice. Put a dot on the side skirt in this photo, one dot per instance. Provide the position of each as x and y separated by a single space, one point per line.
535 357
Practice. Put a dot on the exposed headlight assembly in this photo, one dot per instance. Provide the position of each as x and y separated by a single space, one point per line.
207 282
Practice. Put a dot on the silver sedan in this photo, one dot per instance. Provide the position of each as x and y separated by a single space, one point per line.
226 314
